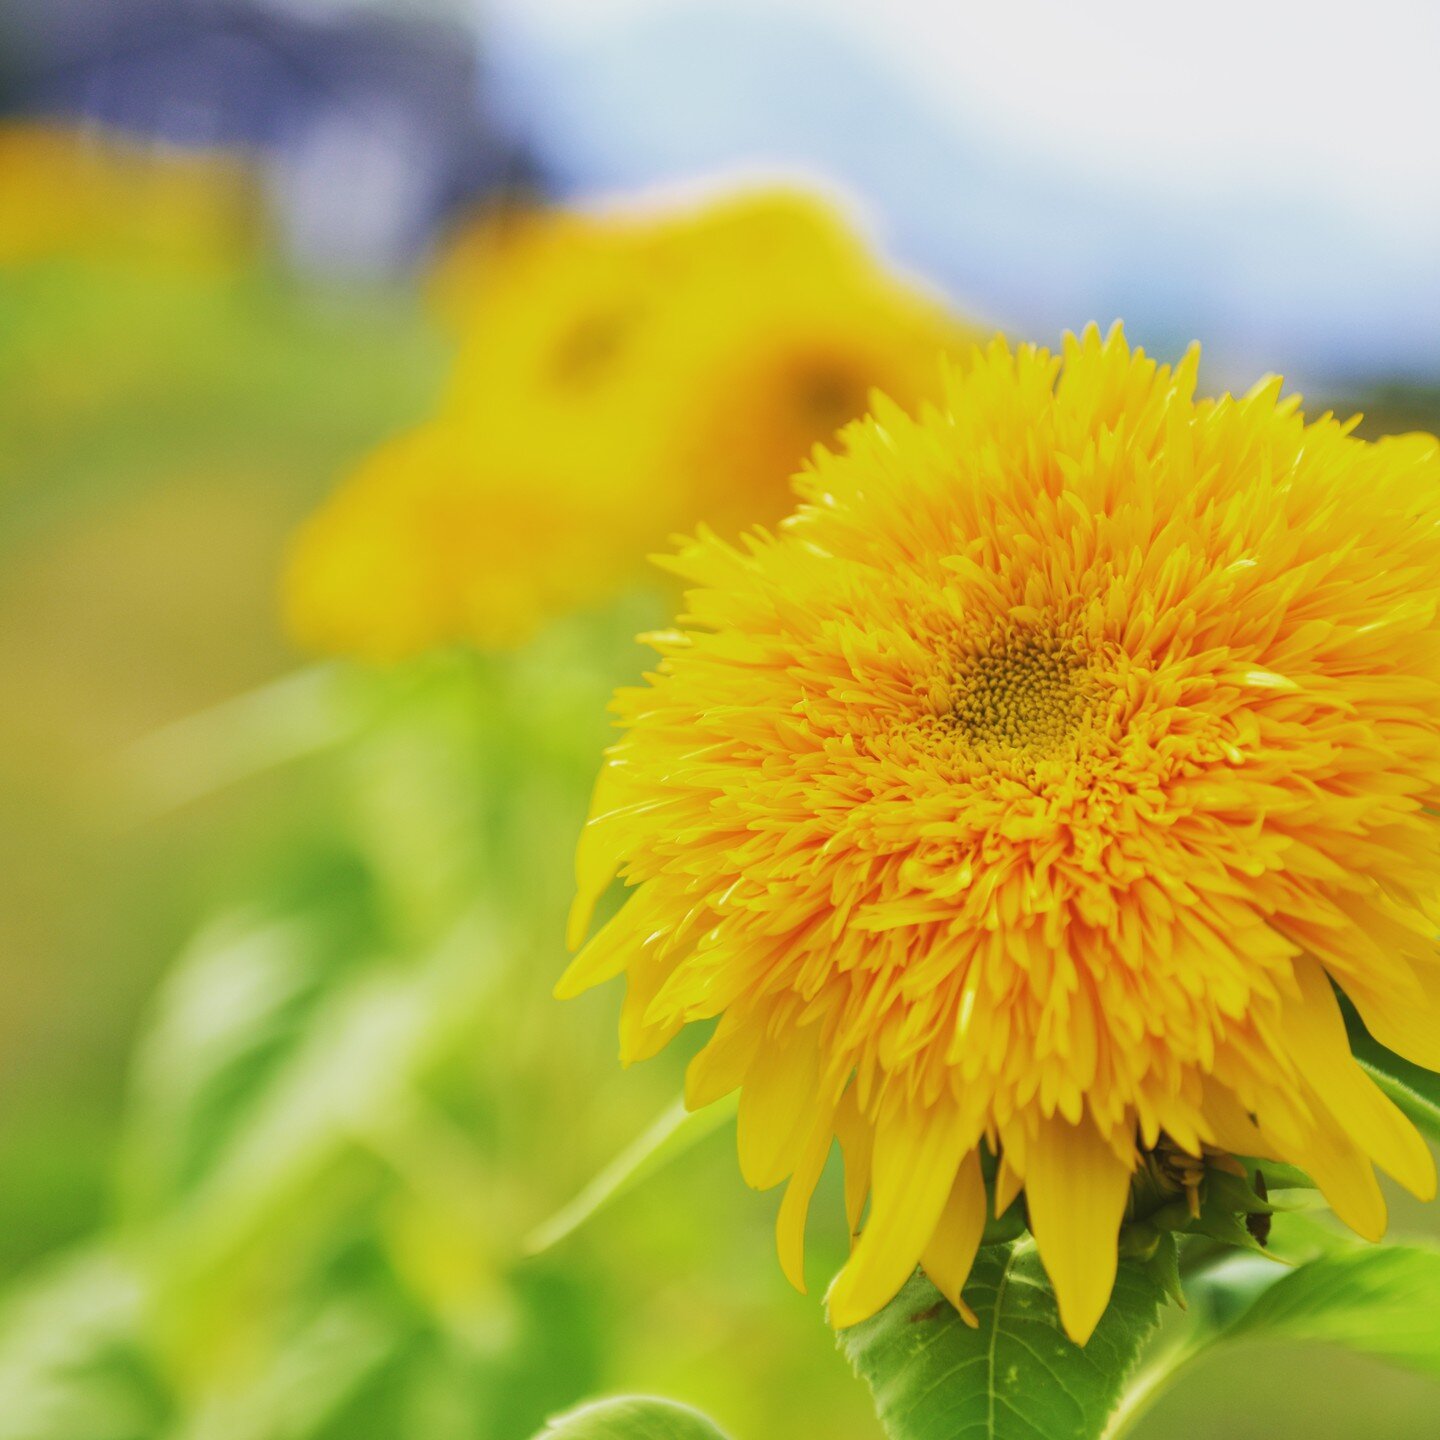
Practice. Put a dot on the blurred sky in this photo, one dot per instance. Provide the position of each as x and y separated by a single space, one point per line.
367 120
1262 175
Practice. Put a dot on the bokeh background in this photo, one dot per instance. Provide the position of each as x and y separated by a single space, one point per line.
284 1098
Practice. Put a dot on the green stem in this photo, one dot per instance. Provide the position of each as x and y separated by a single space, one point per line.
300 714
673 1132
1155 1378
1148 1385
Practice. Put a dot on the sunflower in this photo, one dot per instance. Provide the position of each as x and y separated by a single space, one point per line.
1023 803
93 195
411 553
642 373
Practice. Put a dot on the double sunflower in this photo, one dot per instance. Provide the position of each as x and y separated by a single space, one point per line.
1021 805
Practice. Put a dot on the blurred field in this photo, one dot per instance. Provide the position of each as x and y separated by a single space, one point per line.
161 434
284 1088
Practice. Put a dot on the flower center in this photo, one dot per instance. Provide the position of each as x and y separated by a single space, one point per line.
1025 691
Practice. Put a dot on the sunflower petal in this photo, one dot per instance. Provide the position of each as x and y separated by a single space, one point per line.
917 1152
1076 1188
1347 1181
795 1207
1401 1024
1315 1030
951 1251
776 1101
857 1147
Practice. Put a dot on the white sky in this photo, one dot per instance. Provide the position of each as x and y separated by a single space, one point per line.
1219 97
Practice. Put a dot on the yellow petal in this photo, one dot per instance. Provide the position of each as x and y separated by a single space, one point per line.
1315 1033
721 1065
917 1152
951 1251
1400 1023
1347 1181
611 948
1008 1184
595 857
856 1146
1076 1188
640 1035
776 1102
1231 1127
795 1207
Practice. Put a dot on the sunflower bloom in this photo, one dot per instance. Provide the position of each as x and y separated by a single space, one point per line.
82 194
1029 795
619 378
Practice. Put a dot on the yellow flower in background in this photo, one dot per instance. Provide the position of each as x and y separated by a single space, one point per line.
1031 791
85 194
409 554
619 378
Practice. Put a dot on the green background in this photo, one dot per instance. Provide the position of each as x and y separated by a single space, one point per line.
282 1088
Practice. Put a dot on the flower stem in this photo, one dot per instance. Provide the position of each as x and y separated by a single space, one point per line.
1148 1385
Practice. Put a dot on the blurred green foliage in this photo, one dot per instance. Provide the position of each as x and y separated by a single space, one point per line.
285 1090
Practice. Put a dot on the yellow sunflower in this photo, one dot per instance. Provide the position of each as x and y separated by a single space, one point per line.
412 553
87 194
1029 795
642 373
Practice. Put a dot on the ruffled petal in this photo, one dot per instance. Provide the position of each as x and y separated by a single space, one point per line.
1076 1188
917 1152
795 1207
1315 1031
951 1251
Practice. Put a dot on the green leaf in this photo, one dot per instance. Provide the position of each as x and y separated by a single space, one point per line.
225 1021
1162 1266
1228 1202
1378 1300
71 1363
1277 1175
1221 1291
633 1417
1016 1377
290 1098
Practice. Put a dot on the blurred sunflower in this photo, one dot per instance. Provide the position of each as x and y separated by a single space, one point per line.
85 194
1027 798
619 378
399 559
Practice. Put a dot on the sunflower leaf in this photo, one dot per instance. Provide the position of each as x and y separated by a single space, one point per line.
1378 1300
1162 1266
632 1417
1017 1376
